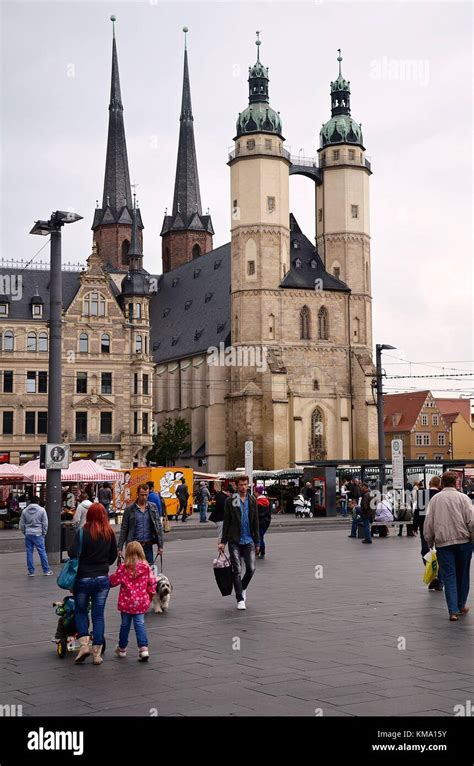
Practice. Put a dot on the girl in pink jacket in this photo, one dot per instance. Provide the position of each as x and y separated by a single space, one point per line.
137 586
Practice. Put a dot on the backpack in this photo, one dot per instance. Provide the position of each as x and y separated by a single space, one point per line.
199 496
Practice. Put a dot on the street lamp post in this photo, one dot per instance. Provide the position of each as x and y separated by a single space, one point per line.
53 475
381 439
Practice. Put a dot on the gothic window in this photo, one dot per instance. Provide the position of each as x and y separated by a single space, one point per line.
323 323
355 211
250 268
124 252
336 270
83 343
315 385
94 305
271 204
305 322
318 441
196 251
31 344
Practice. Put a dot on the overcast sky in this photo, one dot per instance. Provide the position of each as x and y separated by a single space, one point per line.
410 67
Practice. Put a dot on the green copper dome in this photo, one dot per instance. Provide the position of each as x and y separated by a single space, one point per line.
341 129
258 117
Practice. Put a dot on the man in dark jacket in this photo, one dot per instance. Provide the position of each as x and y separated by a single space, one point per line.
182 493
217 513
366 514
241 533
141 522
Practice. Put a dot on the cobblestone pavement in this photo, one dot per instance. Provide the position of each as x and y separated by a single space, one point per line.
332 627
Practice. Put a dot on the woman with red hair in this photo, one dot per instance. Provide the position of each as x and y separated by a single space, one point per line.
97 553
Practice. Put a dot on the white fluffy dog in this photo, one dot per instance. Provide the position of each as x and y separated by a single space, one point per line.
161 599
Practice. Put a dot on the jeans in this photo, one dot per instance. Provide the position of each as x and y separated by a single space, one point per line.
455 563
220 526
140 631
148 550
344 510
183 507
366 522
236 553
32 542
97 589
262 531
202 511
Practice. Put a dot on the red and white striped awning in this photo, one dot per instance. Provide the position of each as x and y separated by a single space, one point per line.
10 471
79 470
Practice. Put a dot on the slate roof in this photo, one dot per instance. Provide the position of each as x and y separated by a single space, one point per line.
312 267
191 310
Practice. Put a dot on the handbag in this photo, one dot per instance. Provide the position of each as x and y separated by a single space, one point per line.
68 574
223 574
166 523
405 514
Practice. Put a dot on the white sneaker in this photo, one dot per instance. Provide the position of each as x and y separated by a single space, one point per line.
143 654
244 594
241 605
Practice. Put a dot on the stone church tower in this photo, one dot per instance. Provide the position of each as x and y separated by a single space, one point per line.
300 387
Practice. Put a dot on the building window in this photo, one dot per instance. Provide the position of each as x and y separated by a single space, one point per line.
418 440
31 382
315 385
42 423
31 344
271 204
268 143
435 420
424 420
81 426
145 385
135 383
250 144
138 344
144 422
323 323
335 154
441 440
106 423
94 305
43 382
8 341
106 383
30 422
356 330
83 343
81 383
426 440
105 344
3 309
305 323
138 311
124 251
337 271
355 211
439 457
318 446
8 381
37 310
135 422
7 422
196 251
320 214
351 154
250 268
43 341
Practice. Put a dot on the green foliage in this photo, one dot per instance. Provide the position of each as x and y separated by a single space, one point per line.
169 441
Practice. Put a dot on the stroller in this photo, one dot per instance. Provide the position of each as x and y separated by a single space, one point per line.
302 508
66 632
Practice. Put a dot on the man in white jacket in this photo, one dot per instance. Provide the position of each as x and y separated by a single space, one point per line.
449 525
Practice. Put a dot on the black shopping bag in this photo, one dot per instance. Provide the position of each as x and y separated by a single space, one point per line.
223 574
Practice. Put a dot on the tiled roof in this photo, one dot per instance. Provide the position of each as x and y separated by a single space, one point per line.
455 405
408 405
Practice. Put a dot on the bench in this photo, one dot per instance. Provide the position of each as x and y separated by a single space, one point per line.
394 523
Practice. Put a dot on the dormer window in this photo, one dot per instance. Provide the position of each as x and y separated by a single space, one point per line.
217 264
313 263
296 245
298 263
198 333
37 310
196 273
3 306
208 297
166 312
175 282
175 340
187 305
221 326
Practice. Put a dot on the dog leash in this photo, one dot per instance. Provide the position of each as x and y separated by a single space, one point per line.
161 561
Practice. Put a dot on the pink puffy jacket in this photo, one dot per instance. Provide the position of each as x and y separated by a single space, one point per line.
136 590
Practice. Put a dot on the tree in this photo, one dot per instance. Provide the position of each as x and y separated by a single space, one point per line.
169 441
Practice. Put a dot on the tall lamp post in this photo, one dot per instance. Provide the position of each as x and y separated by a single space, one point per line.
381 439
53 476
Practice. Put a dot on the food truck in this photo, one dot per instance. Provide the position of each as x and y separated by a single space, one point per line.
165 479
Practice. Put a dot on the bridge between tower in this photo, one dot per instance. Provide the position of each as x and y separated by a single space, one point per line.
306 166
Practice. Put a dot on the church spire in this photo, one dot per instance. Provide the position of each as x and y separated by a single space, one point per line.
112 224
187 233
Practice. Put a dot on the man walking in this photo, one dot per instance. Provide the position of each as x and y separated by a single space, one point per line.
105 496
79 518
449 525
182 493
241 533
419 521
217 513
141 522
34 525
366 514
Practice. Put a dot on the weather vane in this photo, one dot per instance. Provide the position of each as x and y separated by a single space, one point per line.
258 44
339 58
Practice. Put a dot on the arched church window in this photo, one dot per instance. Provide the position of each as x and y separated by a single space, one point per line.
196 251
323 323
125 249
305 323
318 436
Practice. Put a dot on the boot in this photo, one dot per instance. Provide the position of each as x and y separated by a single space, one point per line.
96 652
84 649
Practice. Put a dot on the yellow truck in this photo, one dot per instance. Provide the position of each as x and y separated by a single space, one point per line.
165 479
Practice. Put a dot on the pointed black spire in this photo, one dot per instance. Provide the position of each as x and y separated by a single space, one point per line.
117 192
135 255
187 197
